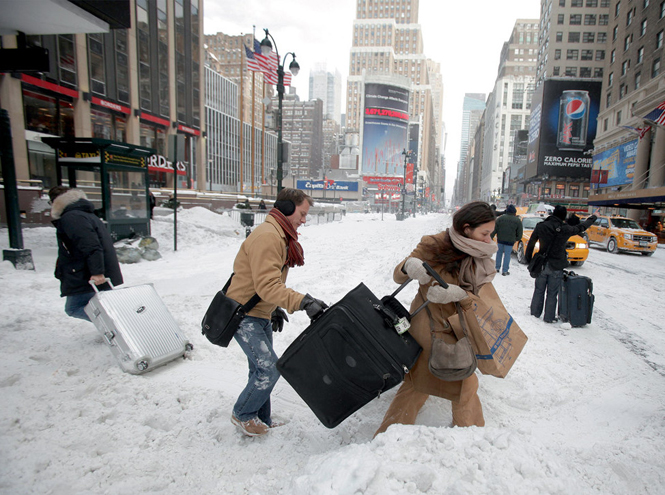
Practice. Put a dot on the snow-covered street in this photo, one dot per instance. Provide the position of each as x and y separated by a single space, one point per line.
581 412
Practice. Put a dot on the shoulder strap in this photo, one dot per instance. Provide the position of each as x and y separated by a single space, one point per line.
461 319
253 301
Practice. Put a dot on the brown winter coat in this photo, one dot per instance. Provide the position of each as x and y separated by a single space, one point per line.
423 380
258 269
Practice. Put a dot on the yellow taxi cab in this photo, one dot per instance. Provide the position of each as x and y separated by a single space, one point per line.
621 234
576 247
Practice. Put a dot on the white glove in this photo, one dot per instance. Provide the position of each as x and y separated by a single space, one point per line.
414 268
439 295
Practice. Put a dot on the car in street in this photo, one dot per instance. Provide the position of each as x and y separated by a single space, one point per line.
576 247
620 234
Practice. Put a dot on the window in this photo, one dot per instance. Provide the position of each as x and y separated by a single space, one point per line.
608 100
575 19
585 71
572 54
640 55
622 91
557 54
67 59
603 19
610 79
662 10
617 9
96 61
645 4
518 96
629 17
659 40
559 37
571 71
598 72
588 37
626 43
562 3
601 38
587 55
643 27
573 37
600 54
560 19
624 67
613 56
615 33
590 20
577 3
592 3
605 124
655 68
619 117
638 80
556 70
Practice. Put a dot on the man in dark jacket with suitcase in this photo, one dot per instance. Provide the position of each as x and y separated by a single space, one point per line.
508 230
553 234
85 250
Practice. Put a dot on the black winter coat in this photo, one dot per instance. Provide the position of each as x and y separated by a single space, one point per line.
85 248
553 235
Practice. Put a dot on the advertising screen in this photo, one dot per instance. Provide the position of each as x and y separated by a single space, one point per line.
562 128
386 120
615 166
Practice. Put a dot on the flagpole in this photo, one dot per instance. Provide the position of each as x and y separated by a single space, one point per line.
242 107
252 129
263 132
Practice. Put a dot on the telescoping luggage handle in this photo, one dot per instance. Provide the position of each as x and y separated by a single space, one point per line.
106 280
436 277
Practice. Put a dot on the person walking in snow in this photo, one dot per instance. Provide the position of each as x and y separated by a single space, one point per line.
508 231
85 249
261 267
552 234
462 256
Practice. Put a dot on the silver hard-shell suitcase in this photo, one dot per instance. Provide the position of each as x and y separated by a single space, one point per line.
138 327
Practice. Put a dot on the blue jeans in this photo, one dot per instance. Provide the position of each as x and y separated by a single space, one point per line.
255 338
503 252
75 304
550 280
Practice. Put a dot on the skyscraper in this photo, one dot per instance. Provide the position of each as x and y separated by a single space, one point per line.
327 87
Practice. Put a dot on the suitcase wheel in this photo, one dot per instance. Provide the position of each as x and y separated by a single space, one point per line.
142 365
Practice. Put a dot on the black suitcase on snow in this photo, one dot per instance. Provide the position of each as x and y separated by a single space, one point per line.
351 354
576 299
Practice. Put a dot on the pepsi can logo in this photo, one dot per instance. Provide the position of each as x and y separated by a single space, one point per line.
575 108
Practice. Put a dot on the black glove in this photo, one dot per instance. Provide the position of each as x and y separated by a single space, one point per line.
313 307
277 319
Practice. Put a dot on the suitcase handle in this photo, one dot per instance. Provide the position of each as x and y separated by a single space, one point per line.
436 277
106 280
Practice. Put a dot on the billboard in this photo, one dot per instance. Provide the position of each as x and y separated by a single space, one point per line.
329 185
615 166
562 128
386 121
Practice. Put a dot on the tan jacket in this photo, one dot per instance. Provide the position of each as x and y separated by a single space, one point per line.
423 380
258 269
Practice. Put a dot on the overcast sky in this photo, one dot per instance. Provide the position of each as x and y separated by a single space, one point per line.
464 37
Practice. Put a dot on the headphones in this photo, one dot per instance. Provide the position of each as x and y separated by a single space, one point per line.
286 206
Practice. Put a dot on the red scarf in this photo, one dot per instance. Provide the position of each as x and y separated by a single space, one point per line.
295 255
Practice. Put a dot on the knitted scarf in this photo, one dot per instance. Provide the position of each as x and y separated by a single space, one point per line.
478 268
295 255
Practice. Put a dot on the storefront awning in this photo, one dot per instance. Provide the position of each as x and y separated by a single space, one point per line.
638 199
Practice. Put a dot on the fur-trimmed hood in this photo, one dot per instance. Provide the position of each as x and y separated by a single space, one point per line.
64 200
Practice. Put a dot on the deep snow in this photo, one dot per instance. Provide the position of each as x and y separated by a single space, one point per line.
581 412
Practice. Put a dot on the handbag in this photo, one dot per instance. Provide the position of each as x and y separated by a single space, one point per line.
539 260
451 362
224 316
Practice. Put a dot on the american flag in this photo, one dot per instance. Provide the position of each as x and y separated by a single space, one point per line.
644 130
657 115
269 64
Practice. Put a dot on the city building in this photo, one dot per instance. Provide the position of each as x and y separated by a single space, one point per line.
137 85
508 107
327 87
628 175
572 39
472 111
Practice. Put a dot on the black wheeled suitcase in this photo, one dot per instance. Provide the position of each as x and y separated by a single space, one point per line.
356 350
576 299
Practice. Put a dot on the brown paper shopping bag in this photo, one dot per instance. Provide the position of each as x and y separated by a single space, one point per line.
495 337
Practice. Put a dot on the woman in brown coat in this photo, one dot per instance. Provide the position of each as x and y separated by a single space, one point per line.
462 255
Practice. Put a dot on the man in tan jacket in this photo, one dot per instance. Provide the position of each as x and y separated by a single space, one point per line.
261 267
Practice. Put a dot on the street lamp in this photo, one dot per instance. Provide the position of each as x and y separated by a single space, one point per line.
294 68
406 154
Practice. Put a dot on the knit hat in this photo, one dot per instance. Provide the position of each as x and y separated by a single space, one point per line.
560 212
511 209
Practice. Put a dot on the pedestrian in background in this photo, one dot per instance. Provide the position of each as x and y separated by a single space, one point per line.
261 267
85 249
552 234
508 230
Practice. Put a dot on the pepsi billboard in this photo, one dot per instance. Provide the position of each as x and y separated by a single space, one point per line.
385 127
562 128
